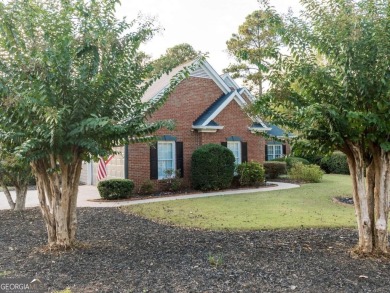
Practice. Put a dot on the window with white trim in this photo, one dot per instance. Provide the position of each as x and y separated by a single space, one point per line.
235 147
274 151
166 154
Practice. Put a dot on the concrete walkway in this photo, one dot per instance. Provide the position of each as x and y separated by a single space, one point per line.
88 193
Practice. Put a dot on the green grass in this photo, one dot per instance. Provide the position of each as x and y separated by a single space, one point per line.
308 206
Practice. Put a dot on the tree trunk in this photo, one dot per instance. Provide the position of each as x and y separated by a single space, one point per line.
381 193
370 195
21 193
57 183
8 196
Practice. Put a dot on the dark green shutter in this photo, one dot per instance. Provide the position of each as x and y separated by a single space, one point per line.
224 143
266 152
153 162
179 158
244 152
284 150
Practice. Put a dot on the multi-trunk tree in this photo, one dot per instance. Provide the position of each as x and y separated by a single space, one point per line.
334 90
71 83
16 173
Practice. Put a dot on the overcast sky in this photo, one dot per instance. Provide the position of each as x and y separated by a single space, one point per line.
204 24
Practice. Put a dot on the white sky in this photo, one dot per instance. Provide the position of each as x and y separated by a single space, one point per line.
204 24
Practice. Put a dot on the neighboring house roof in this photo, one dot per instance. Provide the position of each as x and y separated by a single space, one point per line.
231 91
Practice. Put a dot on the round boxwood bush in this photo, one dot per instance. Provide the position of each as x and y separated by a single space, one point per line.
250 174
115 188
335 164
212 167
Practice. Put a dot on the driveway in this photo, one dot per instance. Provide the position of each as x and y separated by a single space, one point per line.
88 193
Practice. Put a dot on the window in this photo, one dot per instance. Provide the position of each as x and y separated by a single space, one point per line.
166 159
274 151
235 147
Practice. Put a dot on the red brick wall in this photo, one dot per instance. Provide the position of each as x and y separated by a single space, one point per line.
189 100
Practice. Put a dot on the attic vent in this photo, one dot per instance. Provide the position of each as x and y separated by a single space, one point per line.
200 73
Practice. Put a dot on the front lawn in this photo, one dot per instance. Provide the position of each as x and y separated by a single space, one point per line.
308 206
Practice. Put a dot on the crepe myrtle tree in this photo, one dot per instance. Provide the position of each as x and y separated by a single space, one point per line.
14 172
341 101
71 85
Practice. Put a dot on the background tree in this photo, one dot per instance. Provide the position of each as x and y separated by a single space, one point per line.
343 101
14 172
174 57
254 48
71 83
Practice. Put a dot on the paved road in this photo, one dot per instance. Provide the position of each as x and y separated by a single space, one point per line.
88 193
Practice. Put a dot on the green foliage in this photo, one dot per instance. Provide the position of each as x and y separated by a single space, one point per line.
212 167
307 173
273 169
254 47
173 181
71 79
338 60
174 57
291 161
250 174
335 163
147 187
215 260
115 188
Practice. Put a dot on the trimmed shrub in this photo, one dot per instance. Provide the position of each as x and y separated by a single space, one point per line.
115 188
308 173
250 174
335 164
147 187
212 167
273 169
291 161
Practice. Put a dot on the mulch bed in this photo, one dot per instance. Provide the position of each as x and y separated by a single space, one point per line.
126 253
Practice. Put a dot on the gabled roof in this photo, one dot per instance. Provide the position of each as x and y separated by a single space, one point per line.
230 81
231 91
158 87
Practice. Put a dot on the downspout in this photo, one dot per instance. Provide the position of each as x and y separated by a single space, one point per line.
126 163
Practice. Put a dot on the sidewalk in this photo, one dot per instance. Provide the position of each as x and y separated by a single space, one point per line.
88 193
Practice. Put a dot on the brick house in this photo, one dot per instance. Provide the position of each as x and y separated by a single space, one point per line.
207 108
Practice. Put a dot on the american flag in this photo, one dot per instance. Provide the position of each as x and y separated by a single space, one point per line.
102 168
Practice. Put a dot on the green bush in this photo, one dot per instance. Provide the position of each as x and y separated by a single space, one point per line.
250 174
308 173
147 187
212 167
273 169
115 188
291 161
335 164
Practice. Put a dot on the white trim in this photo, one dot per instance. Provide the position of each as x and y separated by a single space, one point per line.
207 128
238 160
173 143
274 155
255 130
214 75
220 108
227 76
247 92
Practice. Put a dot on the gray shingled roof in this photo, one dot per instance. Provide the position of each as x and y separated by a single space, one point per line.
211 109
